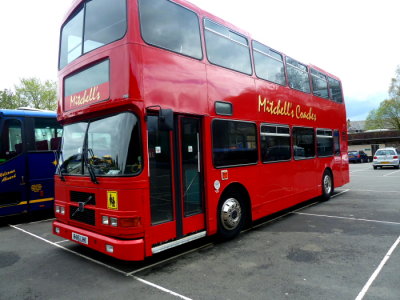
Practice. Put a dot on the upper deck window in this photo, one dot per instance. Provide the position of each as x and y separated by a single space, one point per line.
335 90
268 64
297 75
226 48
94 24
170 26
319 84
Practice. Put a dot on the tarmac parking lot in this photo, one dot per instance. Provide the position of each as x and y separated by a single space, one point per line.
345 248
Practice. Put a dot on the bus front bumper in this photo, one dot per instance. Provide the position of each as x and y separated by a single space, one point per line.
132 250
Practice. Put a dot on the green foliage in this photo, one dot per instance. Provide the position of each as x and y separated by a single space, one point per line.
387 115
7 99
37 94
30 92
394 90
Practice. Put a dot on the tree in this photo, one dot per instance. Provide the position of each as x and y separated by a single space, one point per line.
387 115
7 99
394 90
35 94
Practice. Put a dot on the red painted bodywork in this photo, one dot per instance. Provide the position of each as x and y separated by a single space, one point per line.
142 75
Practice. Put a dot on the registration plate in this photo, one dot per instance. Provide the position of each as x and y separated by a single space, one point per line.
384 162
80 238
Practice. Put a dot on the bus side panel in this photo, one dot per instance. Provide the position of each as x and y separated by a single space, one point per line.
12 188
164 72
41 182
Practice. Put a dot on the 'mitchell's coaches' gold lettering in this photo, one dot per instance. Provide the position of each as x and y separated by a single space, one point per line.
285 109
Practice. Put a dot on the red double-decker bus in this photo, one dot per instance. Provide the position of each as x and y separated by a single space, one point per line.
179 125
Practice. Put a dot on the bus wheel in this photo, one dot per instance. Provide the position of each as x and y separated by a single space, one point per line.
231 216
327 186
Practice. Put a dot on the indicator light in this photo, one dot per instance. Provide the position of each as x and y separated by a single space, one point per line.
114 222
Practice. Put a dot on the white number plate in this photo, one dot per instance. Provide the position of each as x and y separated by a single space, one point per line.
80 238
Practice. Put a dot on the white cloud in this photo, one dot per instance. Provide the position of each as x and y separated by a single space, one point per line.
30 32
355 40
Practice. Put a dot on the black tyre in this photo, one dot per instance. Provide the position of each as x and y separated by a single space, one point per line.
375 167
327 186
231 215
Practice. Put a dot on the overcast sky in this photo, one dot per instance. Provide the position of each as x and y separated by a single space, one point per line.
356 40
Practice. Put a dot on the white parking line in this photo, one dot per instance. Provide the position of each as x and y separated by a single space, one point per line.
391 173
377 271
36 222
341 192
68 250
207 245
375 191
63 241
361 170
293 212
102 264
346 218
166 260
161 288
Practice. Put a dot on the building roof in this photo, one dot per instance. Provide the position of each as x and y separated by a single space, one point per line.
355 126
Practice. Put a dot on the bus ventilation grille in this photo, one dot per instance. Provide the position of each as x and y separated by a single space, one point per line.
86 216
83 197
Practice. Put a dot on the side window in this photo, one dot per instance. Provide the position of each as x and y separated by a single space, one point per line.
226 48
234 143
336 142
11 140
268 64
303 143
47 134
170 26
275 143
335 90
319 84
297 75
324 142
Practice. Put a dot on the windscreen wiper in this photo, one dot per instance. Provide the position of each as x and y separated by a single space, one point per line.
57 155
89 166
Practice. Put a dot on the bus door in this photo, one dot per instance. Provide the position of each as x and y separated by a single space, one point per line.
13 190
176 180
42 161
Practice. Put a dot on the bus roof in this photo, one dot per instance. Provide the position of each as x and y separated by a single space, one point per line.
27 113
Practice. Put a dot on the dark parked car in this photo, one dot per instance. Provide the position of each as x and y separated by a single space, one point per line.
358 156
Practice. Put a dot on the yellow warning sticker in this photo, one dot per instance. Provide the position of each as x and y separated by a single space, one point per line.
112 200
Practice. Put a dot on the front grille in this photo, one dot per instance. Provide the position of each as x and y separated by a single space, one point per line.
83 197
86 216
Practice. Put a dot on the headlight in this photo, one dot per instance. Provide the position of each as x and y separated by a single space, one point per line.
104 220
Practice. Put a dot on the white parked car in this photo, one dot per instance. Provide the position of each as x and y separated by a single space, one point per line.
386 157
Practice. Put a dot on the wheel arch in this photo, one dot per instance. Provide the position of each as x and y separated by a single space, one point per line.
236 187
324 196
